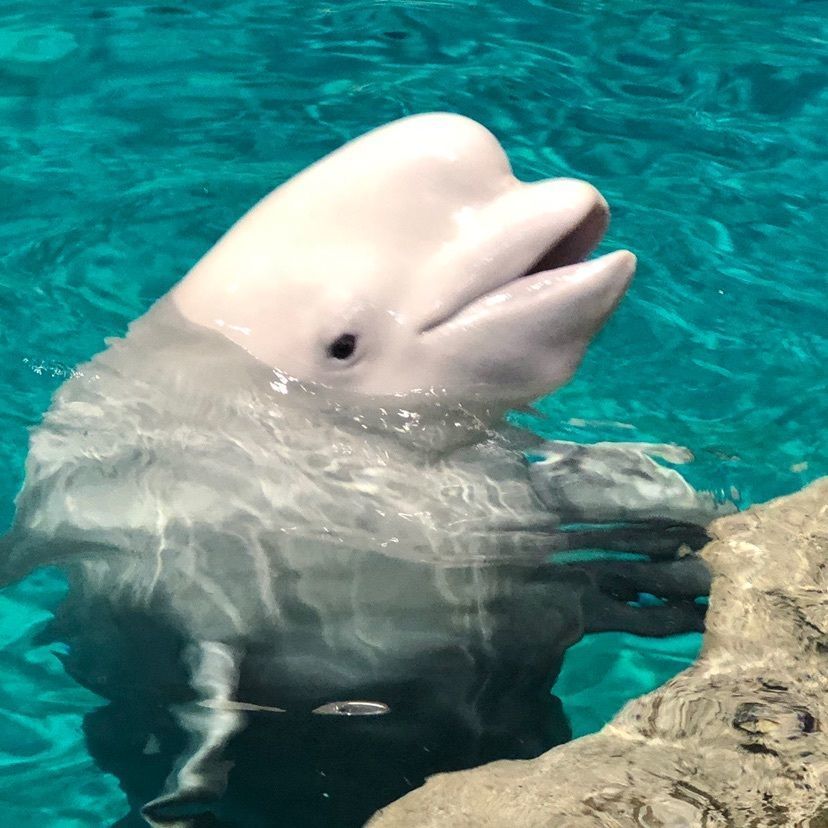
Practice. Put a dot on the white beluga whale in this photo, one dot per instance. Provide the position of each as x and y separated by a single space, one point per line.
288 492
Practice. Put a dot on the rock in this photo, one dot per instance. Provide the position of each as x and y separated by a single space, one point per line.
738 739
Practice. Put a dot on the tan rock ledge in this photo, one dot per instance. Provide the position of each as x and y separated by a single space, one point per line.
738 739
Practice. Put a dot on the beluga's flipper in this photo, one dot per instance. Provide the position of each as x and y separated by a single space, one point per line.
622 483
200 777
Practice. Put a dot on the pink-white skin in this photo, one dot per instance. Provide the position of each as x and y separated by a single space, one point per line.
417 242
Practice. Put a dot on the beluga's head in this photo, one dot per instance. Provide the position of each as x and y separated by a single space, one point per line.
411 259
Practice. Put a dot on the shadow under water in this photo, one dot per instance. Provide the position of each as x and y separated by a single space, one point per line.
297 770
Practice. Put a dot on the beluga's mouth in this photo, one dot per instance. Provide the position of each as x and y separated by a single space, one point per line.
577 244
564 223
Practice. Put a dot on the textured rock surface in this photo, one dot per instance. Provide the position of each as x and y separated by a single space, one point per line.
739 739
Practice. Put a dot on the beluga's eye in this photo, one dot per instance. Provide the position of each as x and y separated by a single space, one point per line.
343 347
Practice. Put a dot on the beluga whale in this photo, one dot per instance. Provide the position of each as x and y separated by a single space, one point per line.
308 561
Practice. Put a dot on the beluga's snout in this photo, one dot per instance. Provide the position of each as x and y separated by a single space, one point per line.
412 259
528 230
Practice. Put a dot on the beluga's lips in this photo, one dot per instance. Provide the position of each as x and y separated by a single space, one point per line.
568 249
533 273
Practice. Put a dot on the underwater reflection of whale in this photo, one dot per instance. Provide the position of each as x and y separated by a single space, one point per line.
289 485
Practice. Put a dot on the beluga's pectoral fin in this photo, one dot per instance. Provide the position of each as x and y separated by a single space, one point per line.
23 552
605 483
200 777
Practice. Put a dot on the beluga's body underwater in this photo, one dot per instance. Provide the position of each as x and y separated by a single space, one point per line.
289 489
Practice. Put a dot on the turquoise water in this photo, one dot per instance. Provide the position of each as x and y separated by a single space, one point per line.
131 135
